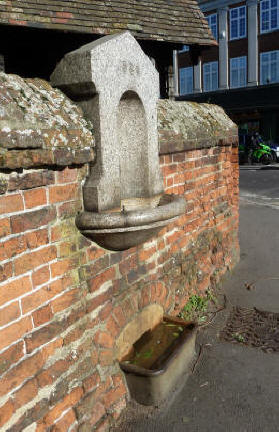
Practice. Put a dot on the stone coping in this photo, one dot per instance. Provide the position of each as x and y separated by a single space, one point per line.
40 126
185 126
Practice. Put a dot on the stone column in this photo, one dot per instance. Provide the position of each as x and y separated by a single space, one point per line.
175 74
223 48
171 82
252 64
2 63
197 77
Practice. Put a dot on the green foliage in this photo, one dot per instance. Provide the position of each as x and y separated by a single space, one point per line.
197 305
238 337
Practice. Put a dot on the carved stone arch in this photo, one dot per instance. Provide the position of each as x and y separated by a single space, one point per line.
133 146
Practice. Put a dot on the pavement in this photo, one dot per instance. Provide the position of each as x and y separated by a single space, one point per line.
234 388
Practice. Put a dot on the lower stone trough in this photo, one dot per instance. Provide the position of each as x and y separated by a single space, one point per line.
159 360
155 351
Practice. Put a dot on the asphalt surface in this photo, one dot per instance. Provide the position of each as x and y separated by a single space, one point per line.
259 184
234 388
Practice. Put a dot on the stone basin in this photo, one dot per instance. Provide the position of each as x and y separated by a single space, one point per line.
121 230
153 368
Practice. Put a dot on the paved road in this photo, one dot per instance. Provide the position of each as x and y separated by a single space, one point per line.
234 388
260 184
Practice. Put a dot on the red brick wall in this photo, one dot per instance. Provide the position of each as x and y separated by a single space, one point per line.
65 300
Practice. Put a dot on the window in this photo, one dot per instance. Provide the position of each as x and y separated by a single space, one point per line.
238 22
210 76
184 48
186 80
212 22
269 67
269 15
238 72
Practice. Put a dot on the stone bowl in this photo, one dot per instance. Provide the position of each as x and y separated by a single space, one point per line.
125 229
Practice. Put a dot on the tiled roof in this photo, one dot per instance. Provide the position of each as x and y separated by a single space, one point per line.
177 21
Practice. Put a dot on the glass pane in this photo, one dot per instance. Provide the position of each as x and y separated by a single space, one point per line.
234 29
213 19
234 63
234 13
234 78
264 74
214 67
274 18
206 82
242 77
214 81
265 58
214 31
206 68
265 21
273 66
242 27
182 81
265 5
242 11
273 72
189 87
273 3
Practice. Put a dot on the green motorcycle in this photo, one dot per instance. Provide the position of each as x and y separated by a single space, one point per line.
261 154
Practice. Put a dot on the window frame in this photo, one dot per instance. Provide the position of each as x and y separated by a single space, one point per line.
210 65
232 59
269 63
209 19
237 19
187 68
269 10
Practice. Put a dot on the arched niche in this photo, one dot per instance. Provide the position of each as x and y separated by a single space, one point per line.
133 147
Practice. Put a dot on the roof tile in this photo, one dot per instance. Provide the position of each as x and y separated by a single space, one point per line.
176 21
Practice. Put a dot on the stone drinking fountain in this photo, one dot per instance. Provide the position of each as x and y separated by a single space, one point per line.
117 87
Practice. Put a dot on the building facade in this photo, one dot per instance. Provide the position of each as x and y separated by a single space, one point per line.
242 73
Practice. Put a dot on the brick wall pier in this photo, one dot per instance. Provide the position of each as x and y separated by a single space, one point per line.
64 301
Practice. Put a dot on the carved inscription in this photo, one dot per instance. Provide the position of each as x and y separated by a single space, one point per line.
127 67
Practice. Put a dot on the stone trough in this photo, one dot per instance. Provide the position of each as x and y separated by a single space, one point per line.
159 360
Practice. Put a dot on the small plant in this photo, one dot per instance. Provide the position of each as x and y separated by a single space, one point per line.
238 337
196 307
